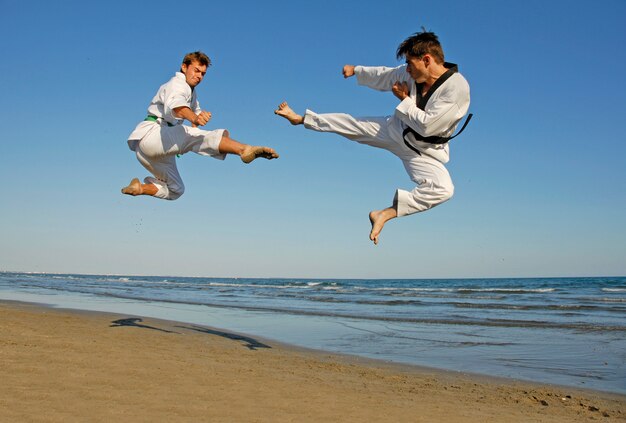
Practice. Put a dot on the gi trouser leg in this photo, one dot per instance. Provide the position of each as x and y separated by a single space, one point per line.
433 182
157 152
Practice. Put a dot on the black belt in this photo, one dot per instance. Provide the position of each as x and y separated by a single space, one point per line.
432 139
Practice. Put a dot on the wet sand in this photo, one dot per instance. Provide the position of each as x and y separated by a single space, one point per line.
64 366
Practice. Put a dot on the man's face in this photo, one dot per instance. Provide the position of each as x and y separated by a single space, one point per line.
194 73
416 67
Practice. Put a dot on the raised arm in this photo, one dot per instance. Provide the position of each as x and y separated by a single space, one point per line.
199 119
182 103
380 78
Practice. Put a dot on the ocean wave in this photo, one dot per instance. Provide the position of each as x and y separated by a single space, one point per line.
308 285
555 307
508 290
602 299
404 289
462 290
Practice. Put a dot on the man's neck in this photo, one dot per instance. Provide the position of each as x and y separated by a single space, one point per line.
435 73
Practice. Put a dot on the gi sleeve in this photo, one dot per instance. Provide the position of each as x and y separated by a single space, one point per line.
381 78
177 95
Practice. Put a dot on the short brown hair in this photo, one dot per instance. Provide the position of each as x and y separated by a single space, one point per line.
197 56
419 44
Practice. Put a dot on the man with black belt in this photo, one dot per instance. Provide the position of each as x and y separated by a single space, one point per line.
433 96
161 136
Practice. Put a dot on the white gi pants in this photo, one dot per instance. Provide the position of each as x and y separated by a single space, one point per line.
434 185
158 148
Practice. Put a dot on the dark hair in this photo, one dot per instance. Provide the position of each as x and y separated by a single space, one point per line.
197 56
419 44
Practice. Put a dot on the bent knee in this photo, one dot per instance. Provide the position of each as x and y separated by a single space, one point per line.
439 195
447 193
175 191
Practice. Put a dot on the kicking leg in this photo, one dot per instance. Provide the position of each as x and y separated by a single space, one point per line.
372 131
246 152
378 218
285 111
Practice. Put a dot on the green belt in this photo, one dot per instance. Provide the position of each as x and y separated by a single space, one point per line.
152 118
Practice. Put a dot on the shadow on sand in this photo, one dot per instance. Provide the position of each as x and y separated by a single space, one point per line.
134 322
250 343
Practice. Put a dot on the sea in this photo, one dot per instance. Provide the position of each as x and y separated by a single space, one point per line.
562 331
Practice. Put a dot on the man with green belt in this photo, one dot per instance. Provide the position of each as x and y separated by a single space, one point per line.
161 136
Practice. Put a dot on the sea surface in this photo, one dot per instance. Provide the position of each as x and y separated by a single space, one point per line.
565 331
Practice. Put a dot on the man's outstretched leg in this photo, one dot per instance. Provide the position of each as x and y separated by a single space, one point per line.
252 152
378 218
247 153
285 111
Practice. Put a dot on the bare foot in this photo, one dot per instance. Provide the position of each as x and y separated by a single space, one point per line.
285 111
134 188
378 218
377 221
251 152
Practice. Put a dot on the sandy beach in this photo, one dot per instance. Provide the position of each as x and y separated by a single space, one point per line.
63 366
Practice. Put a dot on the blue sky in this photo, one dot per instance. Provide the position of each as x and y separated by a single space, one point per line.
539 173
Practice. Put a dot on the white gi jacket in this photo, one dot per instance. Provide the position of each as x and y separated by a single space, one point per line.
174 93
439 116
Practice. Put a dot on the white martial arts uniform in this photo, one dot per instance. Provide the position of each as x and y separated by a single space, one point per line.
157 143
445 105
